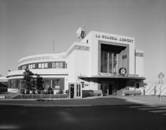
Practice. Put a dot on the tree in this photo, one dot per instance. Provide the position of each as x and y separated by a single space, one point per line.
28 79
39 83
161 77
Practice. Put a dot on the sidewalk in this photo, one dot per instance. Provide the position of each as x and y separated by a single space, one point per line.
147 100
85 102
90 101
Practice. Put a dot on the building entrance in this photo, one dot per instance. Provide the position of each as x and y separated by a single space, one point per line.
71 91
75 90
108 89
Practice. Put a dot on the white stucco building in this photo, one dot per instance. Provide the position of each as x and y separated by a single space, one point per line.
99 61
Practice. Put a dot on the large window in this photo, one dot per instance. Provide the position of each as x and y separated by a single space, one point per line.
15 83
104 60
56 83
108 62
109 58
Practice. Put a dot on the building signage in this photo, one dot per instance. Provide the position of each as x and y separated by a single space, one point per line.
110 37
81 33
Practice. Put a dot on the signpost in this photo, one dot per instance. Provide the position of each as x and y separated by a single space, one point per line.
161 77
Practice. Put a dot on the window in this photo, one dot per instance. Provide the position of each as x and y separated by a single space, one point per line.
103 61
139 54
53 65
40 66
124 57
57 65
43 65
31 66
49 65
64 65
60 64
24 67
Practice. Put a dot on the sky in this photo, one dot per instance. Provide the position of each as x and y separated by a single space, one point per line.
29 27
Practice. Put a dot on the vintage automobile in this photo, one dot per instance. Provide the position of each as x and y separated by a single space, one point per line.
131 91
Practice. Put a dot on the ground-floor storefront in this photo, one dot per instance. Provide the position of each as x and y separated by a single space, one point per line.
56 84
107 85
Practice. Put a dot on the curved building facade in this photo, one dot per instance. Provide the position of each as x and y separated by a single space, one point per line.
95 61
52 67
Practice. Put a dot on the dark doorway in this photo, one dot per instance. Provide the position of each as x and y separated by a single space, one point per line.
107 88
110 89
71 90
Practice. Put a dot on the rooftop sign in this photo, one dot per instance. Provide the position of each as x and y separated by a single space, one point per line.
114 38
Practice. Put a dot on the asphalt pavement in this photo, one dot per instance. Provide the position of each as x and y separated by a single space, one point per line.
113 114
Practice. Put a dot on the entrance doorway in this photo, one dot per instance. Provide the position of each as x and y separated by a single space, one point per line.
71 90
110 89
75 90
107 89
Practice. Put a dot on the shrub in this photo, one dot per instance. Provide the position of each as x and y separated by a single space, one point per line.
50 90
87 93
67 92
39 96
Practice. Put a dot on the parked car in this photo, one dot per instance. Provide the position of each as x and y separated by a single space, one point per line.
131 91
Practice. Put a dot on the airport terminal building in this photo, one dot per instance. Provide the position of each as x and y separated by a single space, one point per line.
98 61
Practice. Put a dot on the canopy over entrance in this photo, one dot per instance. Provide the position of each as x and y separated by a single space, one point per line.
114 84
105 77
